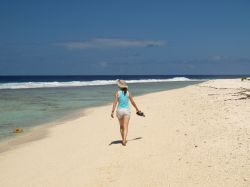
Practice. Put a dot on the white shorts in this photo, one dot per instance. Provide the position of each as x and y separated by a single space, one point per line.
120 112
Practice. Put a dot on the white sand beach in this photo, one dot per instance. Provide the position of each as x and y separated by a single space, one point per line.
194 136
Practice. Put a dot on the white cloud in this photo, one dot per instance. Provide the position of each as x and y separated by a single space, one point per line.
112 43
217 58
103 64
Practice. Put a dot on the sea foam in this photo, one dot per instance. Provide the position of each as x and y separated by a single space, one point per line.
54 84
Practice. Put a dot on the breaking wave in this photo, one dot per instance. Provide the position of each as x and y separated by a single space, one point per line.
54 84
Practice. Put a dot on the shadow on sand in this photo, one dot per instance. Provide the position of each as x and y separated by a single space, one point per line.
120 142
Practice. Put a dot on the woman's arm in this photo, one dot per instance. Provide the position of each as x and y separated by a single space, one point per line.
114 104
133 102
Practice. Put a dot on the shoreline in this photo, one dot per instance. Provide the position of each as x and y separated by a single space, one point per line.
40 131
192 136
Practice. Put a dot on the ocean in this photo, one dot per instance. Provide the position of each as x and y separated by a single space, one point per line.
29 101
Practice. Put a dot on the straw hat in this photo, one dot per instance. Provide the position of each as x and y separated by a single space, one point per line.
122 84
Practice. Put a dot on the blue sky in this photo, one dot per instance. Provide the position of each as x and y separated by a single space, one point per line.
124 37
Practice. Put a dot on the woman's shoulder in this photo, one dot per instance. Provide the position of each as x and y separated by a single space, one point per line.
117 92
130 94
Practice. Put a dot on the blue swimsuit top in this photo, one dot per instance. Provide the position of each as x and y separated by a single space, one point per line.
123 100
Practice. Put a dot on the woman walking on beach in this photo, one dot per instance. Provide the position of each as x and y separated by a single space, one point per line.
122 96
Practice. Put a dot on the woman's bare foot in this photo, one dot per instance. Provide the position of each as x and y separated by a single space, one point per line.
124 143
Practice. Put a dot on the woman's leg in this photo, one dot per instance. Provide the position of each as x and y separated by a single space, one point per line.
125 128
121 128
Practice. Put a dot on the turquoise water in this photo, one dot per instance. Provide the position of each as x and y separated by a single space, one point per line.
26 108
